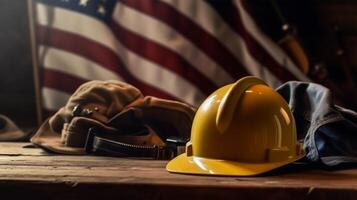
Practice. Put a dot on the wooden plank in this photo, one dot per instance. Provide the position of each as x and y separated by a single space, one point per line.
157 175
58 166
153 172
20 148
39 176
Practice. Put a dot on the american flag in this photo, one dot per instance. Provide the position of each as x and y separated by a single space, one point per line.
175 49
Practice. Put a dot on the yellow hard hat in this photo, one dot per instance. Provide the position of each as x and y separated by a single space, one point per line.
242 129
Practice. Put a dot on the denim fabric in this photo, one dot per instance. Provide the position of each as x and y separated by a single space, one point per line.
328 131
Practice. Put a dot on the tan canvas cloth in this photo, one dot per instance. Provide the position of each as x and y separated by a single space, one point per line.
94 103
9 131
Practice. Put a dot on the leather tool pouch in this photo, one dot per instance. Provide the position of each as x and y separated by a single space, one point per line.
141 124
113 116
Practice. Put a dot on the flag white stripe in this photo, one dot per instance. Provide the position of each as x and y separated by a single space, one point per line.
209 20
54 99
278 54
161 78
69 63
76 22
140 68
154 30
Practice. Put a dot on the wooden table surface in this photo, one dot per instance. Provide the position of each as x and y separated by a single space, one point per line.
30 173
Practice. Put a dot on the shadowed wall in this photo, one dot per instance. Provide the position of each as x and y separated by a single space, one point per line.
17 99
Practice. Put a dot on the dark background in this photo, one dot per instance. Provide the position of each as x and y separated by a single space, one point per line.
17 99
315 21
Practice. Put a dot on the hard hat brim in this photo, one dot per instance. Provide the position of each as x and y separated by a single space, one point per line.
204 166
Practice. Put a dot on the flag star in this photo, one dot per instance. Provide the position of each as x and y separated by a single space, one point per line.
101 9
83 2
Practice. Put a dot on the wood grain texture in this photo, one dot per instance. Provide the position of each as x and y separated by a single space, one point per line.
34 174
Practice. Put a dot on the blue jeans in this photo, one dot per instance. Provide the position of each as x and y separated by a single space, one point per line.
328 131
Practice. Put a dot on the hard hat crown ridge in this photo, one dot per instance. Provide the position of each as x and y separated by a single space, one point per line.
245 128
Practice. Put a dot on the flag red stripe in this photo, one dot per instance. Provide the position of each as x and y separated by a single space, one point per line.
248 10
164 57
61 81
95 52
79 45
197 35
231 16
